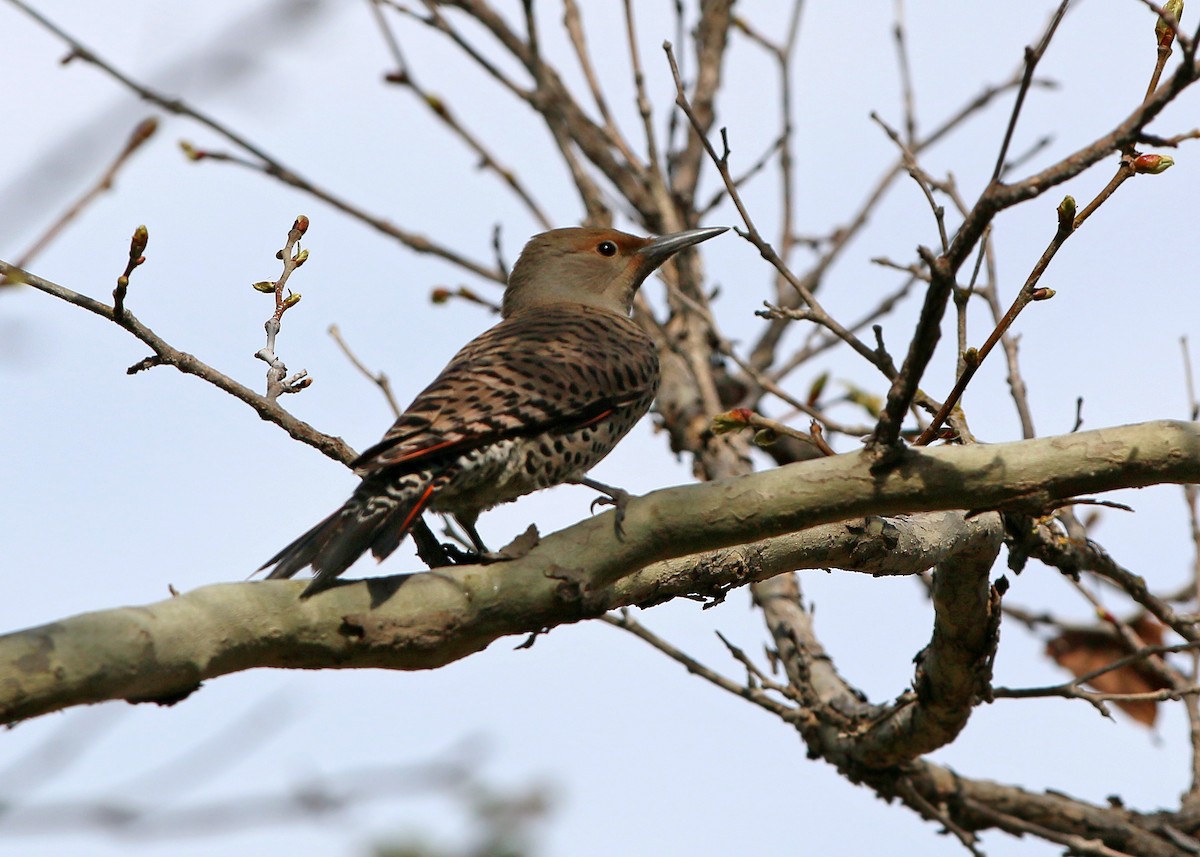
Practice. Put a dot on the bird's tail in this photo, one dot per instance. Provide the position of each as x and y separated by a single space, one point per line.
376 518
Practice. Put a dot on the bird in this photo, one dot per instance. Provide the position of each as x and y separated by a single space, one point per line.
537 400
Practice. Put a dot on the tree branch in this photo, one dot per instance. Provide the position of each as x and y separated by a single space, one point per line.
420 621
167 355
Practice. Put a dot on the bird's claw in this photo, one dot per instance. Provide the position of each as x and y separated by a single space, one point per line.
618 499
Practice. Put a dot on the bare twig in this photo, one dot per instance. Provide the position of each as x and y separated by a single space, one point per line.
379 379
137 247
906 85
441 109
751 233
1075 843
972 359
277 380
140 135
573 23
167 355
923 180
757 695
264 162
1033 54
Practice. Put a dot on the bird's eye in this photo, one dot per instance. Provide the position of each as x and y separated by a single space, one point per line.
606 248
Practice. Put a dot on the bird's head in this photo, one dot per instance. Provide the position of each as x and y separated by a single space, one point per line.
598 267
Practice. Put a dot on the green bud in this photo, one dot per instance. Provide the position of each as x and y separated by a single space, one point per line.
190 151
1066 213
137 244
265 286
765 437
869 402
816 388
1162 31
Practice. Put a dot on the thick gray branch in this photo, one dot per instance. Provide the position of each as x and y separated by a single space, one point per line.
954 671
426 620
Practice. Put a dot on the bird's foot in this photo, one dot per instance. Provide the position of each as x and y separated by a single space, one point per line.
517 548
461 556
616 497
432 552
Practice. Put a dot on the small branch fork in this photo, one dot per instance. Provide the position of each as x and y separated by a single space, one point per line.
1073 690
277 380
1131 163
814 309
767 431
167 355
757 689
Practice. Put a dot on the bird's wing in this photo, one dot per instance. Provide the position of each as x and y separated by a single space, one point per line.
559 367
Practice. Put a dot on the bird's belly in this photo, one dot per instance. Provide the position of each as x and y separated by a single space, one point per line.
509 469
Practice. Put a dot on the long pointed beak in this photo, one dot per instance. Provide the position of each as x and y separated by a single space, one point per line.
663 247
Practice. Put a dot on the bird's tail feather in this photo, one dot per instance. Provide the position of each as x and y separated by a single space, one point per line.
375 518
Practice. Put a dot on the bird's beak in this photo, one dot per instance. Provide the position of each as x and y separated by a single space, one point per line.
666 246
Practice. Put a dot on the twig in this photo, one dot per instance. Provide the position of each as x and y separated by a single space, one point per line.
441 295
766 430
141 133
740 181
1033 55
753 673
972 358
906 85
653 174
923 180
137 247
167 355
413 241
277 380
827 340
573 23
904 388
265 164
757 377
751 233
1070 689
379 379
936 813
439 108
782 54
321 797
758 696
1166 31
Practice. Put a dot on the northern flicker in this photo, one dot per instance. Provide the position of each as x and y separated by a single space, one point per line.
535 401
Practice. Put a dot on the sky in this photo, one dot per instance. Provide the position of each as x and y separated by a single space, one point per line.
113 488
